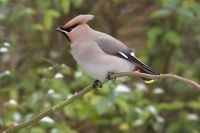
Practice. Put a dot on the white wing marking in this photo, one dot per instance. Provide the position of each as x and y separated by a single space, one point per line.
132 54
123 55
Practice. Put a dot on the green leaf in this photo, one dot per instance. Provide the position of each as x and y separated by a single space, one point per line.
37 130
38 27
172 38
65 6
30 11
21 14
152 35
77 3
48 18
124 126
176 105
188 3
186 13
45 39
117 1
65 69
122 105
161 13
171 4
194 105
102 105
2 16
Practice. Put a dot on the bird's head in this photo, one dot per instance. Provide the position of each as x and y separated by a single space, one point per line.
73 25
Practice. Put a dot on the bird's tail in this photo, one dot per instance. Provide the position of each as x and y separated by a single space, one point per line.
147 70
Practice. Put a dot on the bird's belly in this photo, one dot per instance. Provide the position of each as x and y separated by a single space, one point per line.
99 68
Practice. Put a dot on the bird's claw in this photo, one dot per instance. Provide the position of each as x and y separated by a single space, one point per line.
109 76
97 84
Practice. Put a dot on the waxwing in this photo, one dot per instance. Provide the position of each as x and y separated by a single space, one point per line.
100 54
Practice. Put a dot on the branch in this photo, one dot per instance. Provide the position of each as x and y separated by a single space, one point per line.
161 76
88 89
49 111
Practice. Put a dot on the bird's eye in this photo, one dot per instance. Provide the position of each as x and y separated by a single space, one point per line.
71 28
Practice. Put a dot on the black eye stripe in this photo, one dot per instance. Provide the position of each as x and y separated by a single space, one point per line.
71 28
74 25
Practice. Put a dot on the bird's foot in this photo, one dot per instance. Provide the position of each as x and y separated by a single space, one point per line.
97 84
109 76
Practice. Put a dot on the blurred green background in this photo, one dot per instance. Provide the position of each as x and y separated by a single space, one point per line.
37 70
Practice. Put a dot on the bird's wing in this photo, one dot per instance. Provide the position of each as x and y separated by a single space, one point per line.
114 47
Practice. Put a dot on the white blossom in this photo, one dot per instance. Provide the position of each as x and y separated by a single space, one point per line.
122 88
158 91
3 50
58 75
12 102
47 120
192 117
151 109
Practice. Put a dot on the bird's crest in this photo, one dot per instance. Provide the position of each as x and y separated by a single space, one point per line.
80 19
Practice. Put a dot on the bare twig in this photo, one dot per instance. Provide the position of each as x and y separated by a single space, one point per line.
88 89
161 76
49 111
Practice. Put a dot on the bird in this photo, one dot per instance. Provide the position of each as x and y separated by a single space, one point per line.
99 54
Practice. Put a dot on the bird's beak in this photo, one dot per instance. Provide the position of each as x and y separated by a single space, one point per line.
64 32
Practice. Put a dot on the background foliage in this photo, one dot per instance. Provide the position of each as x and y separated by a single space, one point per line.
37 70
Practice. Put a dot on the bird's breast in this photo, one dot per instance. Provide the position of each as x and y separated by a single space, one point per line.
98 64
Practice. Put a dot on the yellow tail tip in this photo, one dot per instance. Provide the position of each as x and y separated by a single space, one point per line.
149 81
